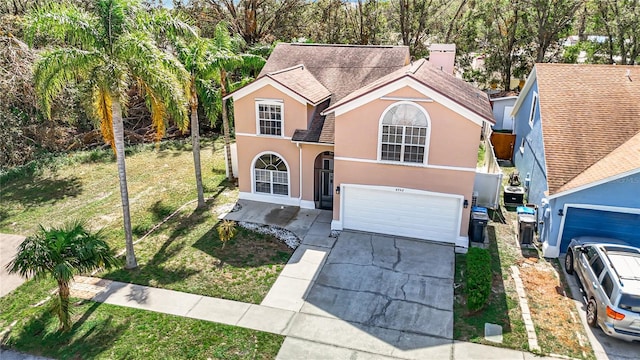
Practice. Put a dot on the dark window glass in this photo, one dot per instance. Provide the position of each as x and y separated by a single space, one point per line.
597 265
607 285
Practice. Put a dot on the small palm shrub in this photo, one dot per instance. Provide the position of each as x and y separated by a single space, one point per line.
226 231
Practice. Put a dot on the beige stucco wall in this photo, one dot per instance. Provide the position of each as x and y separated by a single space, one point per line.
250 146
295 114
454 140
453 143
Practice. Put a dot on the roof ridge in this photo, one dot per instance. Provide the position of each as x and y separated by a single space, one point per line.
286 69
349 45
415 66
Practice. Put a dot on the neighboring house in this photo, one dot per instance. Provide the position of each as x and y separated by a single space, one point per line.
390 146
578 145
502 108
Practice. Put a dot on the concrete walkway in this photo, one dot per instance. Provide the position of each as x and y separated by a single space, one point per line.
8 246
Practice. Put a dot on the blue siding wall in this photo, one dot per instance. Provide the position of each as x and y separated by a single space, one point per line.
498 111
624 192
531 160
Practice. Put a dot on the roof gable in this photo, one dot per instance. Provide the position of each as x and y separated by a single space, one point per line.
590 118
452 92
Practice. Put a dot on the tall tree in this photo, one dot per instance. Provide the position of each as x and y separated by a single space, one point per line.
620 20
262 20
551 20
62 253
109 49
416 20
231 70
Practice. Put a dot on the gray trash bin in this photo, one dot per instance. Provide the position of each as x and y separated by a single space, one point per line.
479 221
526 228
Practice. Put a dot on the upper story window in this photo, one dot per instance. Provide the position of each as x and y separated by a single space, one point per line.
269 117
404 134
534 108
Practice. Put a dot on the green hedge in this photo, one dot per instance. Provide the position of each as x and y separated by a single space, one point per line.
478 278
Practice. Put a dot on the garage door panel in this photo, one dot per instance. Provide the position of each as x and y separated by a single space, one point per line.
410 214
588 222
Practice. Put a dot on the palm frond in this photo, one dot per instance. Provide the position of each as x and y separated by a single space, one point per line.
102 102
57 68
163 75
63 22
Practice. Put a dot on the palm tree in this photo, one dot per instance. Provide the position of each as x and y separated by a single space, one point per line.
62 253
194 54
226 60
109 49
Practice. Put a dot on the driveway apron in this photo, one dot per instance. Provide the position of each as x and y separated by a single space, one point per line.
383 295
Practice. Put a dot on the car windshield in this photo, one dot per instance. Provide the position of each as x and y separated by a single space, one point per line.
630 303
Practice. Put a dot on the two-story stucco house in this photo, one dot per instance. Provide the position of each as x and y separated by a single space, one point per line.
578 145
389 145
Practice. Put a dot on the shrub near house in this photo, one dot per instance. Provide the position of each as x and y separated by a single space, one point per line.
478 278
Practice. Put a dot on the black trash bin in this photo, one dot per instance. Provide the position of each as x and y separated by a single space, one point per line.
479 221
526 228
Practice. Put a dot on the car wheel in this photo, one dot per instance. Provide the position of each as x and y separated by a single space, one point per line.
592 313
568 262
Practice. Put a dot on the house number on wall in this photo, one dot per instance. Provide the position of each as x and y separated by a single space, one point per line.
399 189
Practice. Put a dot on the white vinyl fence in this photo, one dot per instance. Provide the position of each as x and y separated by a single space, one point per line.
488 181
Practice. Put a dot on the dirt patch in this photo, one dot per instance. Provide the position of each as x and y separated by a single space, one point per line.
558 327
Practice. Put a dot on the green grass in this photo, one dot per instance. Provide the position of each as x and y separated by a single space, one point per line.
481 155
102 331
184 253
502 308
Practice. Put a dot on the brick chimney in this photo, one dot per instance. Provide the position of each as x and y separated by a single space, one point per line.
443 56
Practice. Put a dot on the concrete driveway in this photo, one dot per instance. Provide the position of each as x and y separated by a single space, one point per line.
8 245
383 295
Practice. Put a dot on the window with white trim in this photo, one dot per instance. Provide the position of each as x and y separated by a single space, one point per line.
404 134
269 115
522 146
271 175
534 106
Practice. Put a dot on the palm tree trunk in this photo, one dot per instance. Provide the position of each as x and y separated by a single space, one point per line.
118 135
195 142
225 123
63 311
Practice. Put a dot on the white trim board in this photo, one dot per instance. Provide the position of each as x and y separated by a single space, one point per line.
416 85
523 93
274 137
282 200
427 166
262 82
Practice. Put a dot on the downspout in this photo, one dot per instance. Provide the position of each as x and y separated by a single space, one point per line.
300 170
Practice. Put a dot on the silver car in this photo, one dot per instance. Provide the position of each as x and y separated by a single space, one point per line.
610 275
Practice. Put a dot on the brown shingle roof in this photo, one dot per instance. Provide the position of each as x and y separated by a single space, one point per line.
590 122
340 68
430 76
301 81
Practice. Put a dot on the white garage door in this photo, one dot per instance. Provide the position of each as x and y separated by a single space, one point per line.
402 212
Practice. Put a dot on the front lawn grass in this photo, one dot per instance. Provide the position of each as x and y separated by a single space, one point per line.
183 253
102 331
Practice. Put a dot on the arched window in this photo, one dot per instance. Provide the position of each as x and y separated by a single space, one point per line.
404 134
271 175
